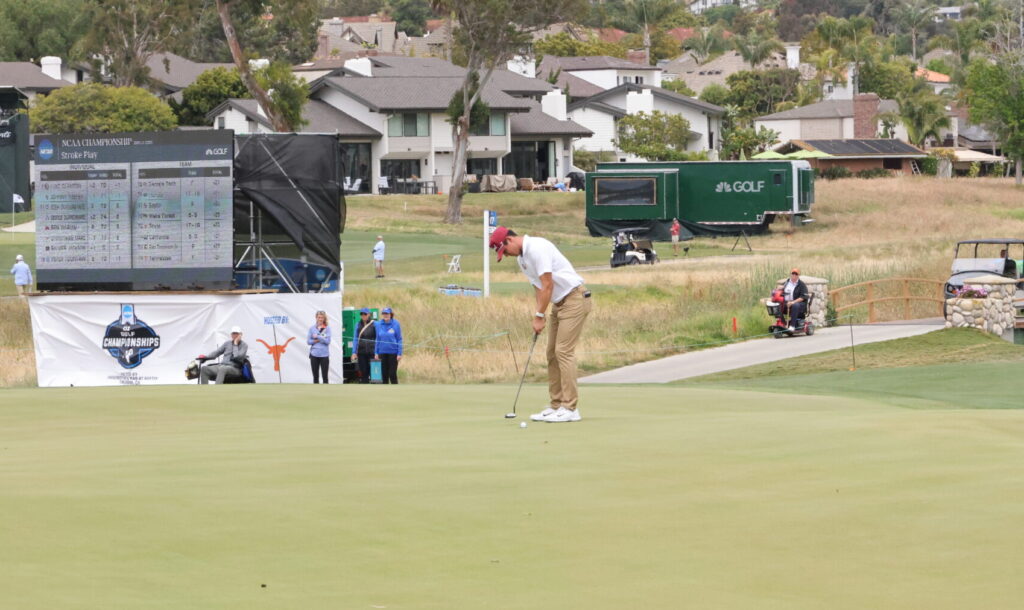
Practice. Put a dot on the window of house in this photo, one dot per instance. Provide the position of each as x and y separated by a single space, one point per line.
638 80
409 124
495 126
892 163
220 122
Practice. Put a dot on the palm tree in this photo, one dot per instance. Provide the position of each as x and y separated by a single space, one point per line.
644 16
705 42
966 36
923 113
915 16
756 48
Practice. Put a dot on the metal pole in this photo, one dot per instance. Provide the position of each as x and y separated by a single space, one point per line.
487 258
274 326
853 352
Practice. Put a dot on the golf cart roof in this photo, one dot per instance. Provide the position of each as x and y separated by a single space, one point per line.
991 241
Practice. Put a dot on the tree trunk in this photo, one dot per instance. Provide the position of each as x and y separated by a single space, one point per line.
1019 173
276 119
460 137
647 45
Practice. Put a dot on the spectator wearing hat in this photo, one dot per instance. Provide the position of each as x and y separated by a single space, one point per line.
795 295
319 340
234 353
22 275
378 257
388 347
557 284
365 344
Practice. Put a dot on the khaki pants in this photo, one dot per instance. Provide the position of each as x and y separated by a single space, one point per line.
564 330
22 290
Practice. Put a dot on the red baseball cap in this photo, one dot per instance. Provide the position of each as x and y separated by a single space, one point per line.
498 241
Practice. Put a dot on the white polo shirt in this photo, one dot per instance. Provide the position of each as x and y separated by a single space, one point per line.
540 256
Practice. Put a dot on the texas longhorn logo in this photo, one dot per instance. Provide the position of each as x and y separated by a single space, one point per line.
129 339
276 351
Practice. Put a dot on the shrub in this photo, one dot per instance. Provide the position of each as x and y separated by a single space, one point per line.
975 170
588 160
835 172
929 166
874 172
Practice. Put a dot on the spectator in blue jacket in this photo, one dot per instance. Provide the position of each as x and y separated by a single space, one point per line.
319 340
388 348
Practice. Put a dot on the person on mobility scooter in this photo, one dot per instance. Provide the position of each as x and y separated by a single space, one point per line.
790 301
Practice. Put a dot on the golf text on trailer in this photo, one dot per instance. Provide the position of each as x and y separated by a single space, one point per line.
740 186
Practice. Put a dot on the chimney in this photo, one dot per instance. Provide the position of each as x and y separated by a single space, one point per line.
335 26
637 57
793 55
865 115
323 45
51 66
360 65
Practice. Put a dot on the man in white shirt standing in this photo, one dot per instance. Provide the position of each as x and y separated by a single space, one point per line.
378 257
557 284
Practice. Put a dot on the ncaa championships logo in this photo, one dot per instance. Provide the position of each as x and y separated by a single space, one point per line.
129 340
45 149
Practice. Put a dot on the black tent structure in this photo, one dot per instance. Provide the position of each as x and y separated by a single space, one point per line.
288 194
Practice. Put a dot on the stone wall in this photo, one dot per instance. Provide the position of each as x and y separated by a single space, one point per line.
993 314
819 287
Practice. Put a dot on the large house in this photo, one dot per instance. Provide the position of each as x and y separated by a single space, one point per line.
601 113
390 114
22 81
865 116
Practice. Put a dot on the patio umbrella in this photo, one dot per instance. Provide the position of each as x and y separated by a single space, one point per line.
768 154
808 154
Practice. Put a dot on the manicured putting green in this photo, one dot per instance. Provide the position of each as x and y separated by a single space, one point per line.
425 497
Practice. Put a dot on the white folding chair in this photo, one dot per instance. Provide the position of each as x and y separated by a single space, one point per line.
454 264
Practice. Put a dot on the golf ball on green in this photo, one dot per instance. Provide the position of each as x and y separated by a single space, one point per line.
522 424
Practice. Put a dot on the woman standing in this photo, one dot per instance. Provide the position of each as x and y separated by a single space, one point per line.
319 340
388 348
365 344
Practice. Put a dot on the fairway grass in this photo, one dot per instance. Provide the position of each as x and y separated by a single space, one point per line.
424 497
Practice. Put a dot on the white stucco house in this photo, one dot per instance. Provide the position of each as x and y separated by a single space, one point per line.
389 113
600 114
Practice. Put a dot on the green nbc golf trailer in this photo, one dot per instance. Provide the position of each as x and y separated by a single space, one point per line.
708 197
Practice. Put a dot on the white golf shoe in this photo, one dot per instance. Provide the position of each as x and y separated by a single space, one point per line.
563 415
549 410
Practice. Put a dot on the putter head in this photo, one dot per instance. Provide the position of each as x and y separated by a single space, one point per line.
510 416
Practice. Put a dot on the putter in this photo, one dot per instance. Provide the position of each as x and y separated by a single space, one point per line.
512 415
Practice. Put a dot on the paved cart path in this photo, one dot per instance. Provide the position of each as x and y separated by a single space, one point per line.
759 351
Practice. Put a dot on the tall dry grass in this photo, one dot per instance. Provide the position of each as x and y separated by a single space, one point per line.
19 361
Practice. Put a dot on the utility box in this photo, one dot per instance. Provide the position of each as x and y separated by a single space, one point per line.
349 321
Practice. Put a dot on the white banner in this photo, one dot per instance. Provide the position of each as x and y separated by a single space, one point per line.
147 339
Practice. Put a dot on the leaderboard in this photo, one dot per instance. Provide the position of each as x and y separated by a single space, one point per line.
138 210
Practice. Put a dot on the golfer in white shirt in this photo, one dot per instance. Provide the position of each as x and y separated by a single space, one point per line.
557 284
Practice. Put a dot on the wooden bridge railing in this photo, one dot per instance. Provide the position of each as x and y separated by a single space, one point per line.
836 297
